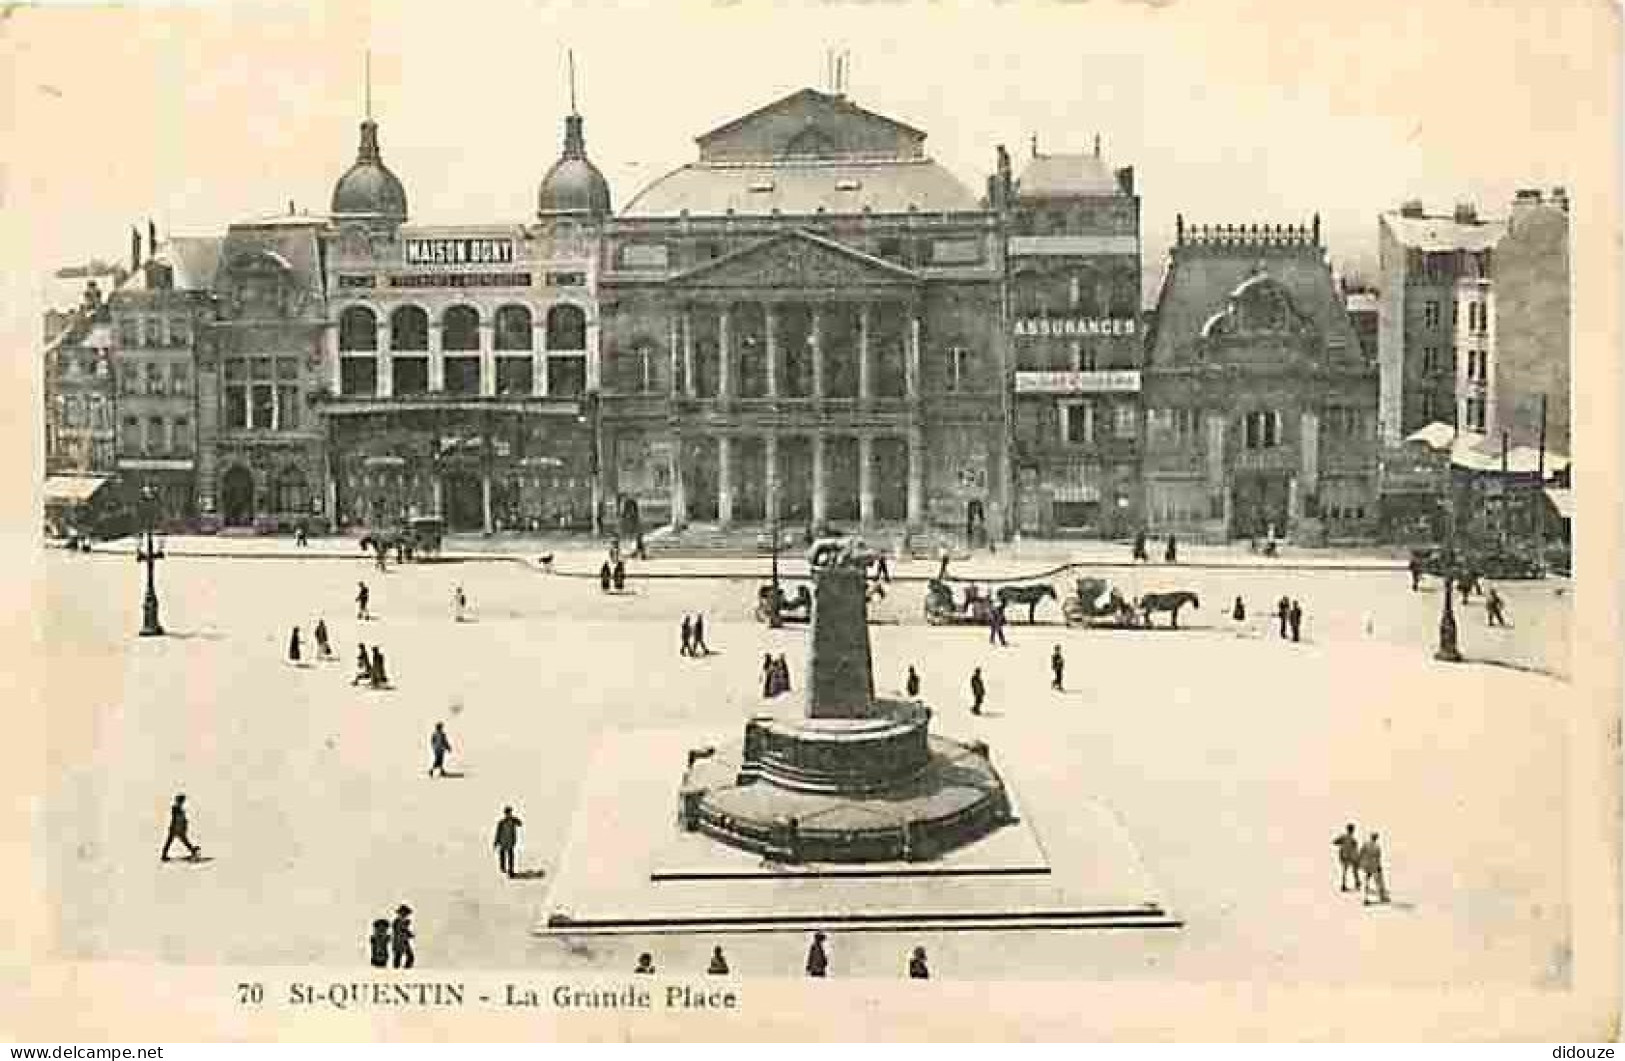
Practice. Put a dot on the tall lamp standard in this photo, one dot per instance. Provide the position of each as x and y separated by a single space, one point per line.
592 419
1449 651
774 622
150 555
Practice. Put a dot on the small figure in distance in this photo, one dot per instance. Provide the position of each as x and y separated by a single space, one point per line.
917 968
646 964
817 957
378 943
719 964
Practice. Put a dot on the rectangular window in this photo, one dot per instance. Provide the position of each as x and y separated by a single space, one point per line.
128 379
1263 430
358 376
959 368
287 407
956 252
1430 360
515 375
566 376
410 375
156 442
152 331
260 368
180 378
236 406
261 413
1126 420
130 437
1078 423
462 375
129 332
1430 313
180 331
287 368
181 434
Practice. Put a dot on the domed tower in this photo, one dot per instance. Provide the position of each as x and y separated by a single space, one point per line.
573 187
369 192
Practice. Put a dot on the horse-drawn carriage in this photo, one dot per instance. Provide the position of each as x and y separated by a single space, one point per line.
942 609
418 538
1095 602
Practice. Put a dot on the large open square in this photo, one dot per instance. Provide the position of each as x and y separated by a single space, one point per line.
1229 756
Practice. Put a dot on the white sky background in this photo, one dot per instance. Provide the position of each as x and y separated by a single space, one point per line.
198 116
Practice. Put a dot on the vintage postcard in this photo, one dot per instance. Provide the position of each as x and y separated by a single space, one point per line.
824 521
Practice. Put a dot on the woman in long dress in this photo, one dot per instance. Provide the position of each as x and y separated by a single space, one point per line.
293 647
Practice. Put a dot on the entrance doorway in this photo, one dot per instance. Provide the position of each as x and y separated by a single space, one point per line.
237 496
1258 501
465 508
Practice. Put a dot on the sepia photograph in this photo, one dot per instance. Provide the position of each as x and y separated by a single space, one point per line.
682 522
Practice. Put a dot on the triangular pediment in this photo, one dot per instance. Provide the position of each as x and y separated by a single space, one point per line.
797 259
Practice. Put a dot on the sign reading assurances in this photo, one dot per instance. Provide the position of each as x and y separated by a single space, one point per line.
1104 381
1073 327
461 250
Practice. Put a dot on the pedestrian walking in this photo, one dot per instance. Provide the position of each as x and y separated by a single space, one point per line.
459 603
995 626
978 691
400 938
293 647
362 596
1348 857
719 964
379 676
1057 668
688 637
917 969
1238 611
618 575
646 964
1283 612
700 647
605 575
1495 607
439 747
770 676
1371 870
1295 620
817 957
363 666
882 569
1140 555
380 548
324 648
942 565
177 830
783 667
378 943
507 839
641 551
300 538
1170 551
1416 572
911 684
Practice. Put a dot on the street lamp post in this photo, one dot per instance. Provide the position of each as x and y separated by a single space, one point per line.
1449 651
773 619
150 626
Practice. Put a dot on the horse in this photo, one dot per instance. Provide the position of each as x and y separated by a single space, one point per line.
1031 595
1167 602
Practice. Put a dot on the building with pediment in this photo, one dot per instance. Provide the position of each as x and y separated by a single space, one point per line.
1261 404
803 326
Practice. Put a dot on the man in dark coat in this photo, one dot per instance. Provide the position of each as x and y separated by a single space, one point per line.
782 668
700 647
380 677
911 685
688 637
1371 870
618 575
439 746
177 829
1057 668
363 666
362 596
606 575
401 936
324 649
1295 620
1170 552
378 944
293 646
507 839
1495 608
1416 572
995 626
1283 612
917 969
817 958
1140 555
719 964
1348 857
978 691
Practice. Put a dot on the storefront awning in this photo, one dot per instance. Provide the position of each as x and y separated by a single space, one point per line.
72 489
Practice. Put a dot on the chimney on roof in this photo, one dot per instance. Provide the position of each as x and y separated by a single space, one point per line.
1466 214
291 210
1125 180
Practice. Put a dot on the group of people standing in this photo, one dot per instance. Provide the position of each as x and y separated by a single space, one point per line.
817 965
391 941
1170 549
693 632
324 647
1363 863
775 675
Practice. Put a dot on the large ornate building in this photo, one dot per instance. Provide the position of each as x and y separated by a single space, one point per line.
804 326
1260 401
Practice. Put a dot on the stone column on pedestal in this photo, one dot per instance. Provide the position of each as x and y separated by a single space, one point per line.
840 673
674 357
864 328
725 481
679 492
916 477
335 358
486 523
820 503
688 353
866 481
725 375
815 346
770 312
911 365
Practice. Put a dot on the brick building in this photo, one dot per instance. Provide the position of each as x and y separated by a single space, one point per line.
804 325
1260 404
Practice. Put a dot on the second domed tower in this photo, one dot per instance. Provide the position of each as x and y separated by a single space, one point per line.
573 186
368 191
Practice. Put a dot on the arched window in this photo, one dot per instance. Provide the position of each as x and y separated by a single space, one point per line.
460 329
513 328
566 328
292 493
358 329
409 329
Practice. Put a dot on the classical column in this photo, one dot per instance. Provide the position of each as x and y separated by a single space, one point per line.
863 352
488 360
725 480
594 363
538 357
815 345
485 502
770 313
1215 466
688 353
916 477
820 503
437 358
1309 451
674 354
386 368
679 496
335 358
438 485
911 366
866 481
770 444
1294 500
725 375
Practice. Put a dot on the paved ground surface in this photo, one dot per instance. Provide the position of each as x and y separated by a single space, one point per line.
1230 756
